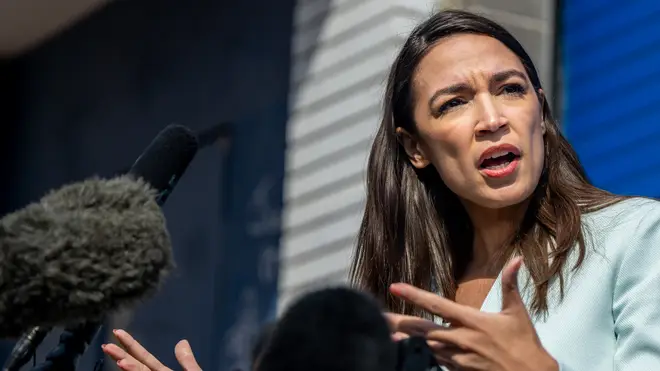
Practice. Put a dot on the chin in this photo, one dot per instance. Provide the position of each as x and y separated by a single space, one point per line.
499 198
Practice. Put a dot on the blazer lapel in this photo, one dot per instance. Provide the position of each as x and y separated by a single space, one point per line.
493 301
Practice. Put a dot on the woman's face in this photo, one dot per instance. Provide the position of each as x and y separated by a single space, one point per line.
479 121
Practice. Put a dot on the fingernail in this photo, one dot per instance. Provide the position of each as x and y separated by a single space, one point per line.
102 346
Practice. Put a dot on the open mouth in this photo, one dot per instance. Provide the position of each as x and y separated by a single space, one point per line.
498 160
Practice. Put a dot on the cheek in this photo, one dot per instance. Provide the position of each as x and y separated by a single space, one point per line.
449 151
537 148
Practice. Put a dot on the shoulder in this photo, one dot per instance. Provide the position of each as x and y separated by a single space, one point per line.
633 246
627 234
627 218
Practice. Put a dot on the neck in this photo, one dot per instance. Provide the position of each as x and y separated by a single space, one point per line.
493 228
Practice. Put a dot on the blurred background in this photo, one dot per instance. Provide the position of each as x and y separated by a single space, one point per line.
271 210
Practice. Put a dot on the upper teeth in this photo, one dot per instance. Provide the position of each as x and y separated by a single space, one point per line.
498 154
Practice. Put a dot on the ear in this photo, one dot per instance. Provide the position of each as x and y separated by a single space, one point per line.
542 103
413 148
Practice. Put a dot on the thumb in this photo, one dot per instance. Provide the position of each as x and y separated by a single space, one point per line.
511 300
185 356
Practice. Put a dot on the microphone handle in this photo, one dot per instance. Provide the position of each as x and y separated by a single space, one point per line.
73 343
25 348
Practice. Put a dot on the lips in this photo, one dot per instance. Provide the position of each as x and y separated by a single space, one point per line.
499 156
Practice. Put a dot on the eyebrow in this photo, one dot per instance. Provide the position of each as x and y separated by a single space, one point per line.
449 90
505 75
457 88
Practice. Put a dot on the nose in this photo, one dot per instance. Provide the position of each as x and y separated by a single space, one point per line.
491 118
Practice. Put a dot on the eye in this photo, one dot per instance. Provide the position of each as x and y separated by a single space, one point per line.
449 105
513 89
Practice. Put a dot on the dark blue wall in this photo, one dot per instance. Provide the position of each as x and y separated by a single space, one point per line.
89 101
611 62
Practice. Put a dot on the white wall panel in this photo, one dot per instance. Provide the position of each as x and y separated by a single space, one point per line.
341 55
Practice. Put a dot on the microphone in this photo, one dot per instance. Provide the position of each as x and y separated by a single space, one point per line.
165 160
84 250
339 329
25 347
121 260
161 164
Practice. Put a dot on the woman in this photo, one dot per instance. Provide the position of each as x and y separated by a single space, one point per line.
468 171
469 182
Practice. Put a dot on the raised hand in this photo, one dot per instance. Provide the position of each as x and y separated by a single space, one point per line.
134 357
505 341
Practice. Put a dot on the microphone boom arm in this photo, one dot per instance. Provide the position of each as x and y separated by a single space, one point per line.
25 348
73 343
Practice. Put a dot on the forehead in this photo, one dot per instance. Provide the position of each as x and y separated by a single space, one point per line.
458 57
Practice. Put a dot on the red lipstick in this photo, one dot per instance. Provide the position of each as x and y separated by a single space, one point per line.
499 161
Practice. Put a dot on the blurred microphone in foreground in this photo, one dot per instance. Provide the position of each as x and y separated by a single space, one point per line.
86 250
336 329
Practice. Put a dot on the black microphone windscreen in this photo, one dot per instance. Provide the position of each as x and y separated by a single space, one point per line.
85 250
329 330
165 160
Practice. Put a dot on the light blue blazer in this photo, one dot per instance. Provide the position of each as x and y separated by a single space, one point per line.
609 319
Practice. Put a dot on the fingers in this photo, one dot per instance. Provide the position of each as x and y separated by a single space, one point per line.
461 338
185 356
511 299
137 358
131 365
459 346
436 304
138 353
457 356
410 325
123 359
117 353
444 353
398 336
459 359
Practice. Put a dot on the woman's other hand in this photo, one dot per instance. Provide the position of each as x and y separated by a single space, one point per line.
505 341
133 356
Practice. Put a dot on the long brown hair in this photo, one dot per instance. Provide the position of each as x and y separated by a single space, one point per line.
415 229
